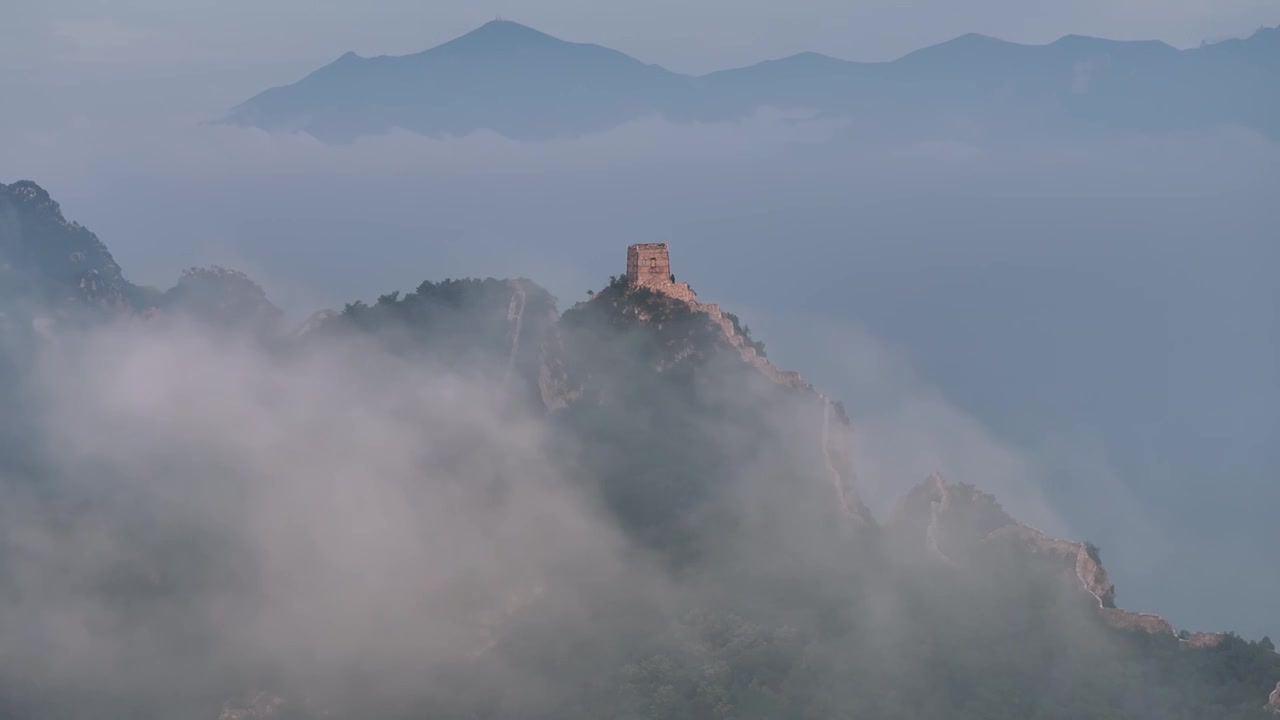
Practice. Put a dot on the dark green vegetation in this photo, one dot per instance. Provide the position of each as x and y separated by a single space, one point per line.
55 267
436 314
740 590
47 260
523 83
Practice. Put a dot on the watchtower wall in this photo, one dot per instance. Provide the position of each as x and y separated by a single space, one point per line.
649 266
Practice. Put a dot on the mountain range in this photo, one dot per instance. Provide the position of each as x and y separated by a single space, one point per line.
731 480
518 82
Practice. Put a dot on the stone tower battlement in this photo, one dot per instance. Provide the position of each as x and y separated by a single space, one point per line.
649 266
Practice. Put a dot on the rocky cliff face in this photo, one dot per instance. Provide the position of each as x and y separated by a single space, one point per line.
1273 702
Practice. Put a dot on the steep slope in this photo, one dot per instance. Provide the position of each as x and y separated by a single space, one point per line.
524 84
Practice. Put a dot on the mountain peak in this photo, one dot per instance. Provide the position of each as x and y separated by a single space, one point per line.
30 193
503 31
52 259
519 82
504 25
967 47
1088 43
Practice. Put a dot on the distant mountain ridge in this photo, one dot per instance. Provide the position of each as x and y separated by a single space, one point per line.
524 84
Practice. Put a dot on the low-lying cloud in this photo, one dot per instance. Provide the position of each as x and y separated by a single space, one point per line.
214 513
1062 298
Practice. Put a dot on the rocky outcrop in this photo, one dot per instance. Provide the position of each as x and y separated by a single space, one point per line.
949 522
1273 702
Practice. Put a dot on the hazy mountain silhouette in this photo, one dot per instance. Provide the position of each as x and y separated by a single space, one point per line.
503 76
525 84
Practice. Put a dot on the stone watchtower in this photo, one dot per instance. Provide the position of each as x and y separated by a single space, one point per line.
649 266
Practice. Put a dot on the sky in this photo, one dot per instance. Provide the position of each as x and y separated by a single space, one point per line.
64 60
691 37
1101 312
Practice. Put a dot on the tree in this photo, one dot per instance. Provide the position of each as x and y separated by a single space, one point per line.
1095 553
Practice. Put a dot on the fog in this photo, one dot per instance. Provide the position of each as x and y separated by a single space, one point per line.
360 532
216 513
1087 328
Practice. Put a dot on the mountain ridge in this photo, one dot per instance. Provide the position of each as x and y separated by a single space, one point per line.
525 84
665 401
638 303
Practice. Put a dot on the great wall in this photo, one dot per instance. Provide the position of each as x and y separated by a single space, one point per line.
649 267
515 315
